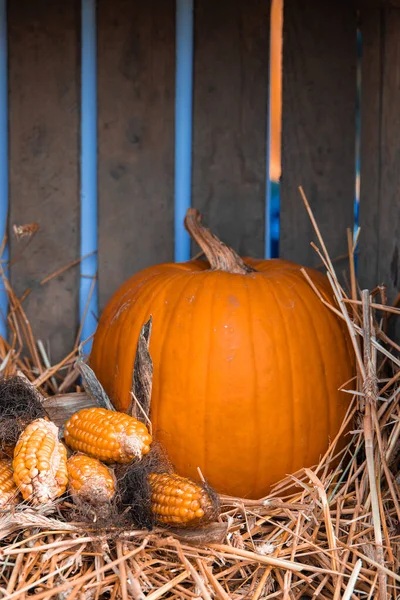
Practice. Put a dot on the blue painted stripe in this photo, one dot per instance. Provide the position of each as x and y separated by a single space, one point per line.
183 124
268 188
3 158
88 303
268 183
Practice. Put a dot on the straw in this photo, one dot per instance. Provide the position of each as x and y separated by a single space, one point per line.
329 531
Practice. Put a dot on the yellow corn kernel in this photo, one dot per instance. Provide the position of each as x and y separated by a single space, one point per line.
178 501
40 463
89 479
8 489
110 436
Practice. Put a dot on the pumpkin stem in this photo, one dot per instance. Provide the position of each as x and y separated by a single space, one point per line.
220 256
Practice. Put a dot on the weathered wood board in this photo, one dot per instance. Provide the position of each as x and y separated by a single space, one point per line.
380 160
231 64
44 163
136 95
136 98
318 125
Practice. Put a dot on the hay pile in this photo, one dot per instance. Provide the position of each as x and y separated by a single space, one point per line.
326 532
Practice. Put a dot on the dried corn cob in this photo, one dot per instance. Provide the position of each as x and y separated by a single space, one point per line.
40 463
107 435
8 489
178 501
89 480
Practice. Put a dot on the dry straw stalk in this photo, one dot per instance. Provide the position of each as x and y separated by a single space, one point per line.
336 537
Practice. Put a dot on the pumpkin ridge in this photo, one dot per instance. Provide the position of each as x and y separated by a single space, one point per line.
206 404
125 332
145 307
105 338
289 371
149 296
159 361
163 338
116 349
200 287
341 343
267 291
326 397
321 361
255 395
127 295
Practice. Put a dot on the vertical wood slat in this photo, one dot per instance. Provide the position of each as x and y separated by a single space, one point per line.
231 63
318 125
4 166
380 159
136 79
44 179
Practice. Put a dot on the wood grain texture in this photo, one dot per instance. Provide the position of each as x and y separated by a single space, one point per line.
380 159
60 408
318 131
44 169
367 4
230 119
136 94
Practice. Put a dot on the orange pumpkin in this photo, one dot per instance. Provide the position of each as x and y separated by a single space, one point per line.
247 364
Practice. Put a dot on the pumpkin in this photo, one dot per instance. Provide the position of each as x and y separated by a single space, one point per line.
247 363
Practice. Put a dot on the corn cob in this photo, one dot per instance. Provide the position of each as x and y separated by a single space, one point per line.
89 480
8 489
40 463
110 436
178 501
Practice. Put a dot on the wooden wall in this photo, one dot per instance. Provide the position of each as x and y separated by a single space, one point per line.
136 71
136 87
380 157
318 125
44 166
230 119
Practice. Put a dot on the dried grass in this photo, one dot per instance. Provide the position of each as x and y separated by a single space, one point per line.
335 536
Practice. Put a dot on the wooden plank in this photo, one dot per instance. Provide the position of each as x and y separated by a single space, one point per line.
380 160
44 170
367 4
230 119
318 131
370 169
136 79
